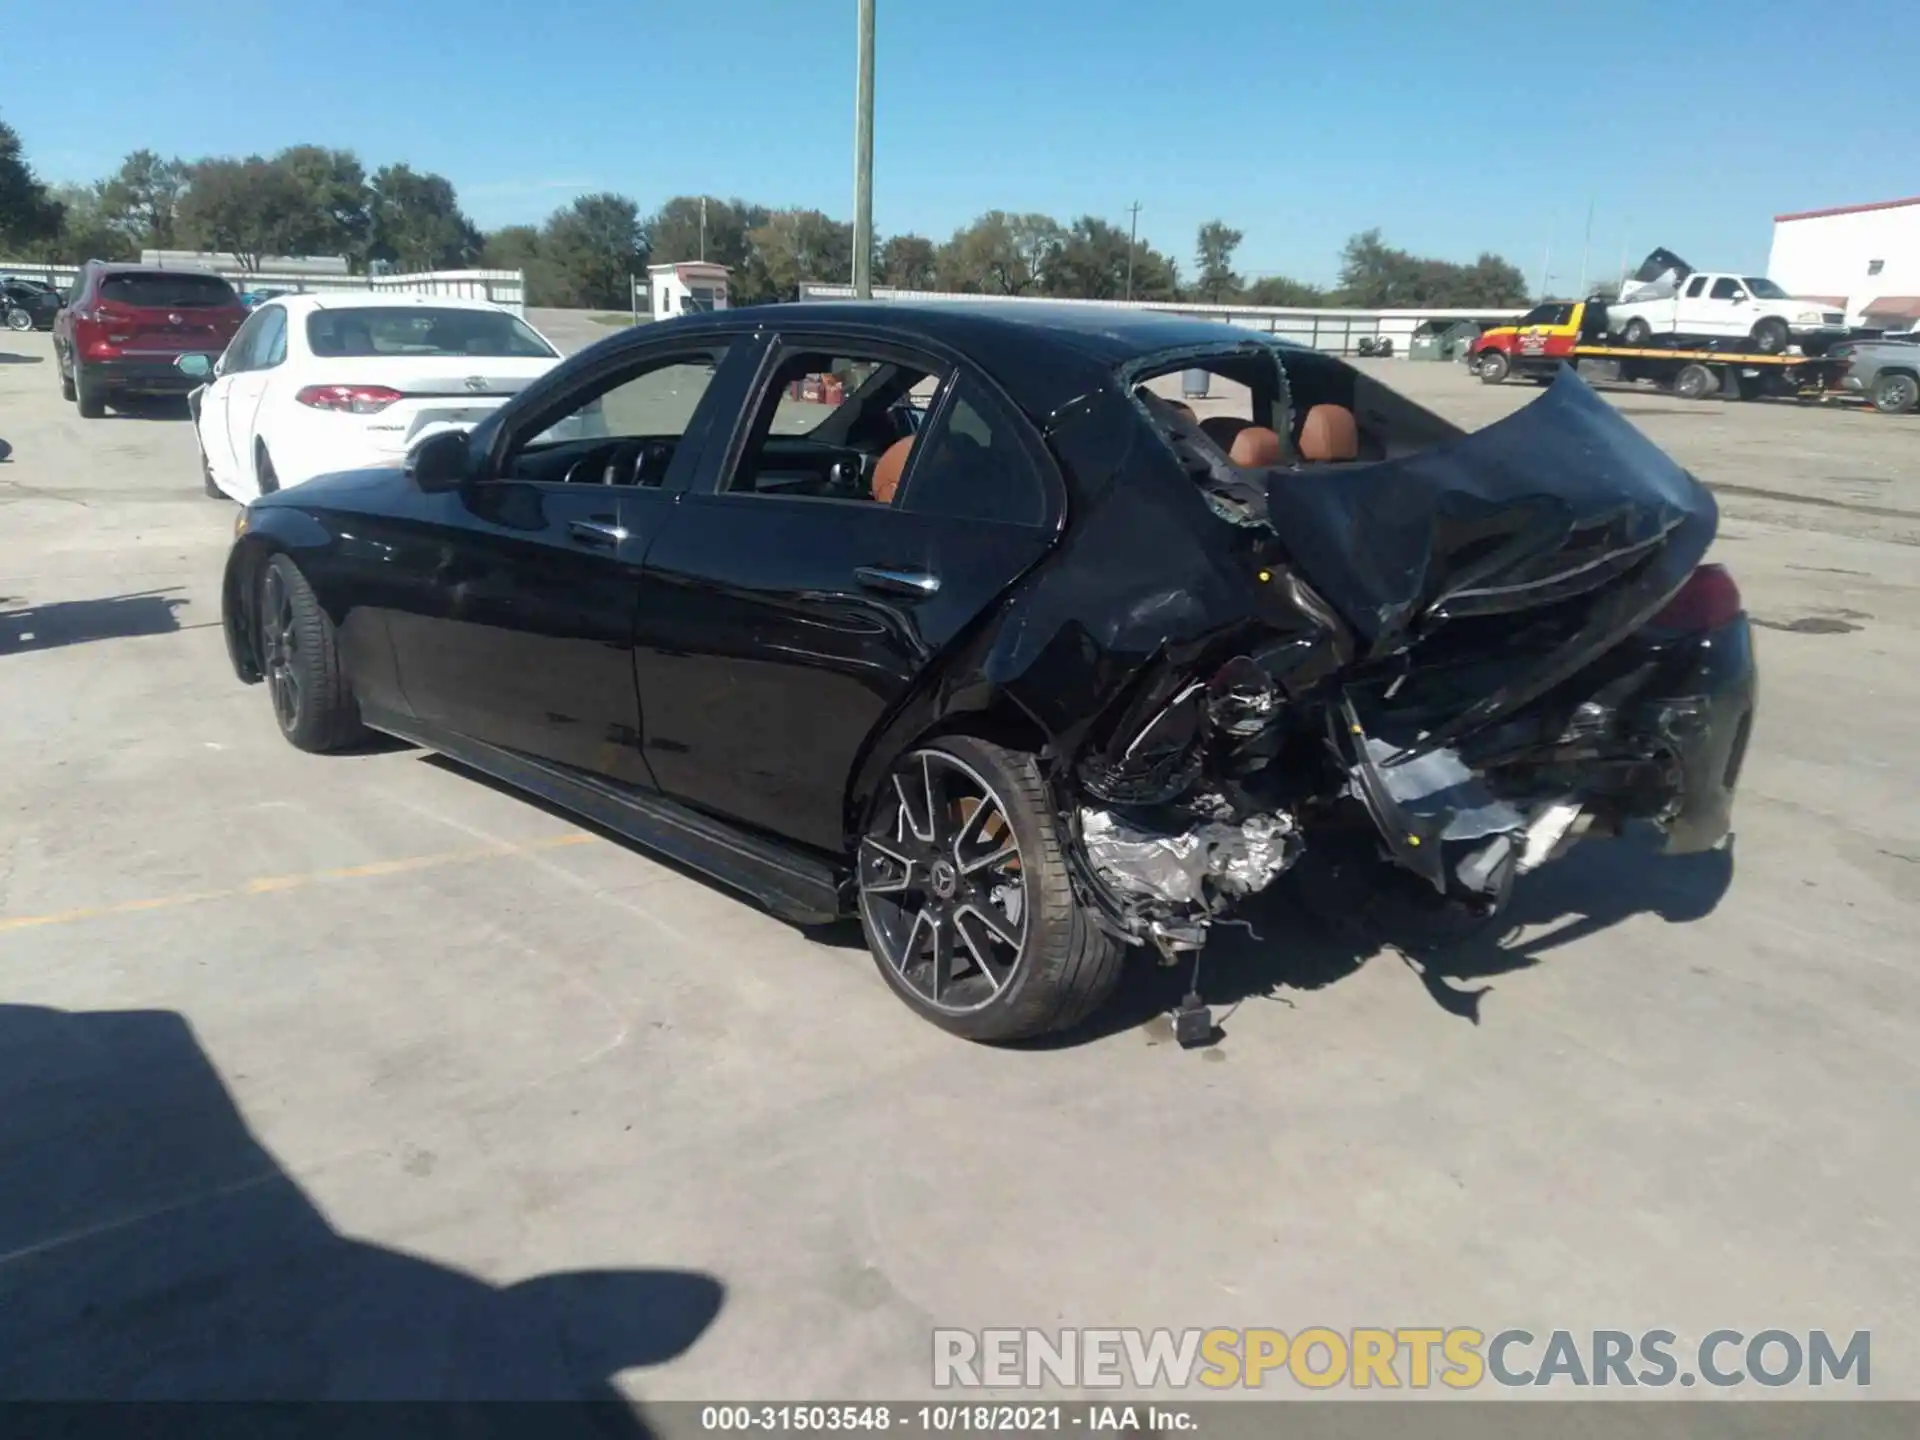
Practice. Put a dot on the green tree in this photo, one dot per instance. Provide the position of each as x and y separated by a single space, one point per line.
331 216
27 212
675 230
1279 290
517 247
248 208
1000 254
1374 274
595 246
909 262
1213 253
1092 265
793 247
87 231
414 221
142 199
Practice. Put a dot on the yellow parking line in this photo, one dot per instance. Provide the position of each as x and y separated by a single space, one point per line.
275 884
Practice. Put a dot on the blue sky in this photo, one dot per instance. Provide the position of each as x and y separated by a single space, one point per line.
1452 128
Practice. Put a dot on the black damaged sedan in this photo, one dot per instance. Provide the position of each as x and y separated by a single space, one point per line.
943 617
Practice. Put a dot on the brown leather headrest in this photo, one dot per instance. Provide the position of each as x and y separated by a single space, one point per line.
888 469
1222 428
1254 448
1329 433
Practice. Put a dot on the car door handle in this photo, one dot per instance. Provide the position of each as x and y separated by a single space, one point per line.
897 582
597 531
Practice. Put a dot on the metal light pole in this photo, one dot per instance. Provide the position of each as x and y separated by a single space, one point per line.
1133 230
863 161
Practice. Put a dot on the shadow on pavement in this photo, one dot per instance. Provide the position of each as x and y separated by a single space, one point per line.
152 1249
148 407
8 358
74 622
1322 922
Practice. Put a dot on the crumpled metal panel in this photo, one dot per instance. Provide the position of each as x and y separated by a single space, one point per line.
1240 857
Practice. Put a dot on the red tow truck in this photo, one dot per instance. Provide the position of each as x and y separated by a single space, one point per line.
1572 332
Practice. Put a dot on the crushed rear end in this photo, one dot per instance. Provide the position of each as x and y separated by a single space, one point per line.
1472 656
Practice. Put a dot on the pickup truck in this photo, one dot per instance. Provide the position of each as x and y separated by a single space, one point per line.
1711 306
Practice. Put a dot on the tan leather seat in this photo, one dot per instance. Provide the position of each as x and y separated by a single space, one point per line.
1255 448
1221 429
1329 433
888 469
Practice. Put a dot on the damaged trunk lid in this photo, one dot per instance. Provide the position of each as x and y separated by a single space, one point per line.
1481 572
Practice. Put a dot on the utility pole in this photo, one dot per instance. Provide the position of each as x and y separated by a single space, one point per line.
863 160
703 229
1133 229
1585 245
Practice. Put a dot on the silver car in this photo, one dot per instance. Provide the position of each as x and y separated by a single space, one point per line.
1885 371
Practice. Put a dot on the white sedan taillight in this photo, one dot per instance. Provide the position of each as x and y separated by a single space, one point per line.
349 399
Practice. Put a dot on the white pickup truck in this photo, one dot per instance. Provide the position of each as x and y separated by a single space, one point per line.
1712 306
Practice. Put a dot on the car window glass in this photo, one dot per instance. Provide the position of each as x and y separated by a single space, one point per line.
826 422
627 431
973 466
271 346
1726 288
1539 315
422 330
241 346
1695 286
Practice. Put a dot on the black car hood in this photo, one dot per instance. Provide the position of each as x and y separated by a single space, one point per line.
1561 498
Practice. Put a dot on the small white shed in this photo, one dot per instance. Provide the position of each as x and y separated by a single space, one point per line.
687 287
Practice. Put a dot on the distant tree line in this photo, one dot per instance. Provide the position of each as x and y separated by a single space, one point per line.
312 200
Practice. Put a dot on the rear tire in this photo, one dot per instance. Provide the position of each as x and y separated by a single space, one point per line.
66 377
944 935
91 398
1493 367
1637 333
300 661
1896 394
1695 382
1770 336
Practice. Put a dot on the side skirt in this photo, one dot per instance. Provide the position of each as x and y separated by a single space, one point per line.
794 886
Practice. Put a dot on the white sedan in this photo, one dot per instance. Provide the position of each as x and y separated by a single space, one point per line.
312 384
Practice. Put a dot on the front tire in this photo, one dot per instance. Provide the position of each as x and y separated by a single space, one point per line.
300 661
1494 367
1896 394
1695 382
1637 333
965 899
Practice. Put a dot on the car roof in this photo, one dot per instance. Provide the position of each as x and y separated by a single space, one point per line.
1110 335
302 304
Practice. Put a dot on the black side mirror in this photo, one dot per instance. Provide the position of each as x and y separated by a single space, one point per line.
440 462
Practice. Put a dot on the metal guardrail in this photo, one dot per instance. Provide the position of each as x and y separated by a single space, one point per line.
506 288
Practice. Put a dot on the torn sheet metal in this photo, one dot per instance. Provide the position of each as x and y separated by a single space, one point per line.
1239 857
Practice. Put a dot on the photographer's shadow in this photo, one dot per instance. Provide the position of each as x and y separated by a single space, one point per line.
152 1249
1322 922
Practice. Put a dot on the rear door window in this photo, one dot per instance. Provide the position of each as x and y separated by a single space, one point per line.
1726 288
975 465
167 292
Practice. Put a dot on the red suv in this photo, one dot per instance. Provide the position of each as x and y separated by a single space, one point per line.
123 326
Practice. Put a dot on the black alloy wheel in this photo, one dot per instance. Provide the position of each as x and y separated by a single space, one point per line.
965 897
280 648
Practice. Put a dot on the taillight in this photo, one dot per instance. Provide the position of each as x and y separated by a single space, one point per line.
348 399
1708 600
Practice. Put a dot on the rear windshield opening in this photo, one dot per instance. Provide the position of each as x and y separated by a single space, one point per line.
421 330
168 292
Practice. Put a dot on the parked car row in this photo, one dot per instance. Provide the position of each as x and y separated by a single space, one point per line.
27 304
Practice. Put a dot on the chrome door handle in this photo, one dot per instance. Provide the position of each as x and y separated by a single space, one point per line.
897 582
597 532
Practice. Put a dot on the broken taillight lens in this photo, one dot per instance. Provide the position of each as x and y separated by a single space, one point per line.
1707 601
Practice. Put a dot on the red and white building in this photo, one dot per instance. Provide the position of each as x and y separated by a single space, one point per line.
1864 258
682 289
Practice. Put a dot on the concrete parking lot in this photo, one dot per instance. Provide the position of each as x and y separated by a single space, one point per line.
358 1076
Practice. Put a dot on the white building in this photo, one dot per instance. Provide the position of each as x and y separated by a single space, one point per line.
1864 257
680 289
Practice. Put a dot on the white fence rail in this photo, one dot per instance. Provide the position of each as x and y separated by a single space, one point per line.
1339 331
506 288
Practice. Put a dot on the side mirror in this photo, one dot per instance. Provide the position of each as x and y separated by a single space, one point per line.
198 367
439 462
